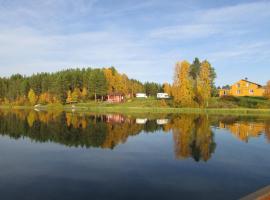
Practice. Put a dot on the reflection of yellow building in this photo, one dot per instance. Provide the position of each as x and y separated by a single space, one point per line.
243 88
244 130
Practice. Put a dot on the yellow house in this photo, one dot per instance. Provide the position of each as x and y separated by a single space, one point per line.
243 88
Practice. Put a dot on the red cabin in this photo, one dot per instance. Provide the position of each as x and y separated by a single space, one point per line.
115 98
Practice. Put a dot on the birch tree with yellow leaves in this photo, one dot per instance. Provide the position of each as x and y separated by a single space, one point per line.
182 91
167 88
32 97
267 90
204 84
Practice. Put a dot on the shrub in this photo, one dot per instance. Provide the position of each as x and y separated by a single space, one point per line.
229 98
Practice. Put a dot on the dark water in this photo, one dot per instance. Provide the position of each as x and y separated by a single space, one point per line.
48 155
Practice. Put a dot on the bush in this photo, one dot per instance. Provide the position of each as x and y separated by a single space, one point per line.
229 98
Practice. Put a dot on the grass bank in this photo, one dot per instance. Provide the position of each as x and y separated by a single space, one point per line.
149 110
215 111
217 106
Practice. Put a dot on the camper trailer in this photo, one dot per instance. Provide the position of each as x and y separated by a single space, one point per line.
141 95
163 96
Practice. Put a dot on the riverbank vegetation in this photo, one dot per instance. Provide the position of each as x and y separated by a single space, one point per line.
154 106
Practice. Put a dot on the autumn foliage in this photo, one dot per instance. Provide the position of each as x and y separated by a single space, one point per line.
267 90
67 86
183 92
193 83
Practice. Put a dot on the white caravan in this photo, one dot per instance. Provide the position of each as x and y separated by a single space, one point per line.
163 96
141 95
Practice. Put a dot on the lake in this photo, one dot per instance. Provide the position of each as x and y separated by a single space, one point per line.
65 155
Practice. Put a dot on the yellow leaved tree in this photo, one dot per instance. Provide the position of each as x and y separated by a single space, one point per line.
183 86
84 94
69 97
204 84
167 88
75 95
267 90
32 97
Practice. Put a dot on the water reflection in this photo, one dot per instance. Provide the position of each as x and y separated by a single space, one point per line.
192 135
244 130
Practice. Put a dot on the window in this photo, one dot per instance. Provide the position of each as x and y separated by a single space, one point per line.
247 84
251 91
238 91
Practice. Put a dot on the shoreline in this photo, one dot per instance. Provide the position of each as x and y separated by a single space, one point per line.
142 110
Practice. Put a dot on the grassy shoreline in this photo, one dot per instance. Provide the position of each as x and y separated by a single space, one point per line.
141 110
217 106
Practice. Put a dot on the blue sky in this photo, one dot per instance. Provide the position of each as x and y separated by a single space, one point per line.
142 38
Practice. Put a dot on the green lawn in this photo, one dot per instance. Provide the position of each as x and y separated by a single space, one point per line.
226 105
150 102
239 102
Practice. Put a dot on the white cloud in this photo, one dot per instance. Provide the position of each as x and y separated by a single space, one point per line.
226 21
239 13
242 51
185 32
26 51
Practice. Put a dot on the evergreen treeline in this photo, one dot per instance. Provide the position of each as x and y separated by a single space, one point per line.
72 85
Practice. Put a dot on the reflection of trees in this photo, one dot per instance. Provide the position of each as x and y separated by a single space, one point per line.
267 131
68 128
182 135
192 134
244 130
203 144
118 133
193 137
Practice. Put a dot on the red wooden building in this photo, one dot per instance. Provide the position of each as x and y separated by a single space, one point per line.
115 98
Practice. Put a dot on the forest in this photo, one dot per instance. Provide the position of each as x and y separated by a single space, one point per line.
72 85
192 86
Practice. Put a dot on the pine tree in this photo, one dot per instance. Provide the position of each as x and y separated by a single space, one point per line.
195 68
61 89
97 84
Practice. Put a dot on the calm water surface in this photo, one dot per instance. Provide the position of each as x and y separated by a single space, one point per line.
49 155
